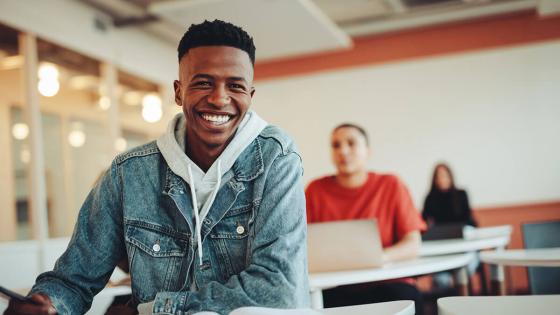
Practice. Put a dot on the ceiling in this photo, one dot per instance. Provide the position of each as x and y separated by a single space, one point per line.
285 28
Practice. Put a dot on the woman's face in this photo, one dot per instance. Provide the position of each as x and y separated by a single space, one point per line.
443 179
349 151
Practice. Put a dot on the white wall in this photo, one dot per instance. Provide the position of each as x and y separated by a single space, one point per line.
493 115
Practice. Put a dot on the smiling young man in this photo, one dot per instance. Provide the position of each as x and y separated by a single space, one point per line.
210 217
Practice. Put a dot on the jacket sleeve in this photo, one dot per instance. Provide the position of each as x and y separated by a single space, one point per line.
92 254
277 274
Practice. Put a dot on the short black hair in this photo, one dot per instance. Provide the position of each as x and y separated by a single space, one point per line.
350 125
216 33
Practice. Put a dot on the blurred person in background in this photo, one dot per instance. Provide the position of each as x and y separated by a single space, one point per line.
356 193
446 203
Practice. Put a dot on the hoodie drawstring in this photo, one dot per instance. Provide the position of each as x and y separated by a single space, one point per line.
197 218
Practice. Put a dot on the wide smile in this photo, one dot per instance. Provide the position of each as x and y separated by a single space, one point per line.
215 119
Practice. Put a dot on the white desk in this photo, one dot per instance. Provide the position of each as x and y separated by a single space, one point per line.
459 245
386 308
492 305
542 257
523 257
477 239
421 266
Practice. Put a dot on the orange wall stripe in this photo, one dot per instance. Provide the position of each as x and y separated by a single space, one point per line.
515 29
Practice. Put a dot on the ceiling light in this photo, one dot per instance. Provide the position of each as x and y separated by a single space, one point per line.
20 131
104 102
151 99
151 114
77 137
151 108
48 87
48 71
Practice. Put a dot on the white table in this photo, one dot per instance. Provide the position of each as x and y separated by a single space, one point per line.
492 305
475 240
459 245
421 266
542 257
386 308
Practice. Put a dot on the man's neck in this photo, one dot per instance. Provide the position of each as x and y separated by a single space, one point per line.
201 153
353 180
204 158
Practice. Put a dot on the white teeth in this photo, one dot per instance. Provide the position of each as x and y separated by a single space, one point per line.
217 119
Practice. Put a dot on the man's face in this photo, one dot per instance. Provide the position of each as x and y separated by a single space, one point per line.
215 89
349 150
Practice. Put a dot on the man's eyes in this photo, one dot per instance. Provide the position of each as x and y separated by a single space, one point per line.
202 83
233 86
237 86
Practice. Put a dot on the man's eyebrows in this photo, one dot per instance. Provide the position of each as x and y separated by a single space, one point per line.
237 79
211 77
202 76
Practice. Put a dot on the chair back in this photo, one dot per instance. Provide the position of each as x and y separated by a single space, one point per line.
543 280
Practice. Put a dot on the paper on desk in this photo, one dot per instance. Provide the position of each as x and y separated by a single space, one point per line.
273 311
252 310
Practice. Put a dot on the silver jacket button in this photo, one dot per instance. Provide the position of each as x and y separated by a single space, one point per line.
240 230
156 248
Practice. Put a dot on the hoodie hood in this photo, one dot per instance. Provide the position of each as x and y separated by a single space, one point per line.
204 186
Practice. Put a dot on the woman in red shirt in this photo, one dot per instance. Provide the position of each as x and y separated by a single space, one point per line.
356 193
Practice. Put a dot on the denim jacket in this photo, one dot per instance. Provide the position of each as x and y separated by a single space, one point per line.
254 237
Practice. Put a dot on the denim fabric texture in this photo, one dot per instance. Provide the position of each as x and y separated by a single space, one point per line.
254 237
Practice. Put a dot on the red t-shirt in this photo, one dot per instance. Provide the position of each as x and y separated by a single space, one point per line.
383 197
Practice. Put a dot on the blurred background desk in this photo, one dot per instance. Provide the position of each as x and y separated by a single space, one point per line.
542 257
475 240
459 245
491 305
421 266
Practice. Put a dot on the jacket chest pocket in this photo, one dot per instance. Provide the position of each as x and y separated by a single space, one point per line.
230 238
155 256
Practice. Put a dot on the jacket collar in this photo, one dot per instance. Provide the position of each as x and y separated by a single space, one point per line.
248 166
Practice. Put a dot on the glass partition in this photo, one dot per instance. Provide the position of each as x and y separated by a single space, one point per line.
75 130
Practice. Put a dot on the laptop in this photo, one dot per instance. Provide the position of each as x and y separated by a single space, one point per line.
443 231
343 245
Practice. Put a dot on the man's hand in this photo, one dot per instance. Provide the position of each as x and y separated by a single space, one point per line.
42 306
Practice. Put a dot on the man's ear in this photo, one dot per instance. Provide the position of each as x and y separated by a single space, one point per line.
252 91
177 89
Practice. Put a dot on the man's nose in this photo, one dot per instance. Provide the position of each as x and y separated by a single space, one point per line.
343 150
219 97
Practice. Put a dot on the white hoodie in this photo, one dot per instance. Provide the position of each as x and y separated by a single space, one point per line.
205 186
